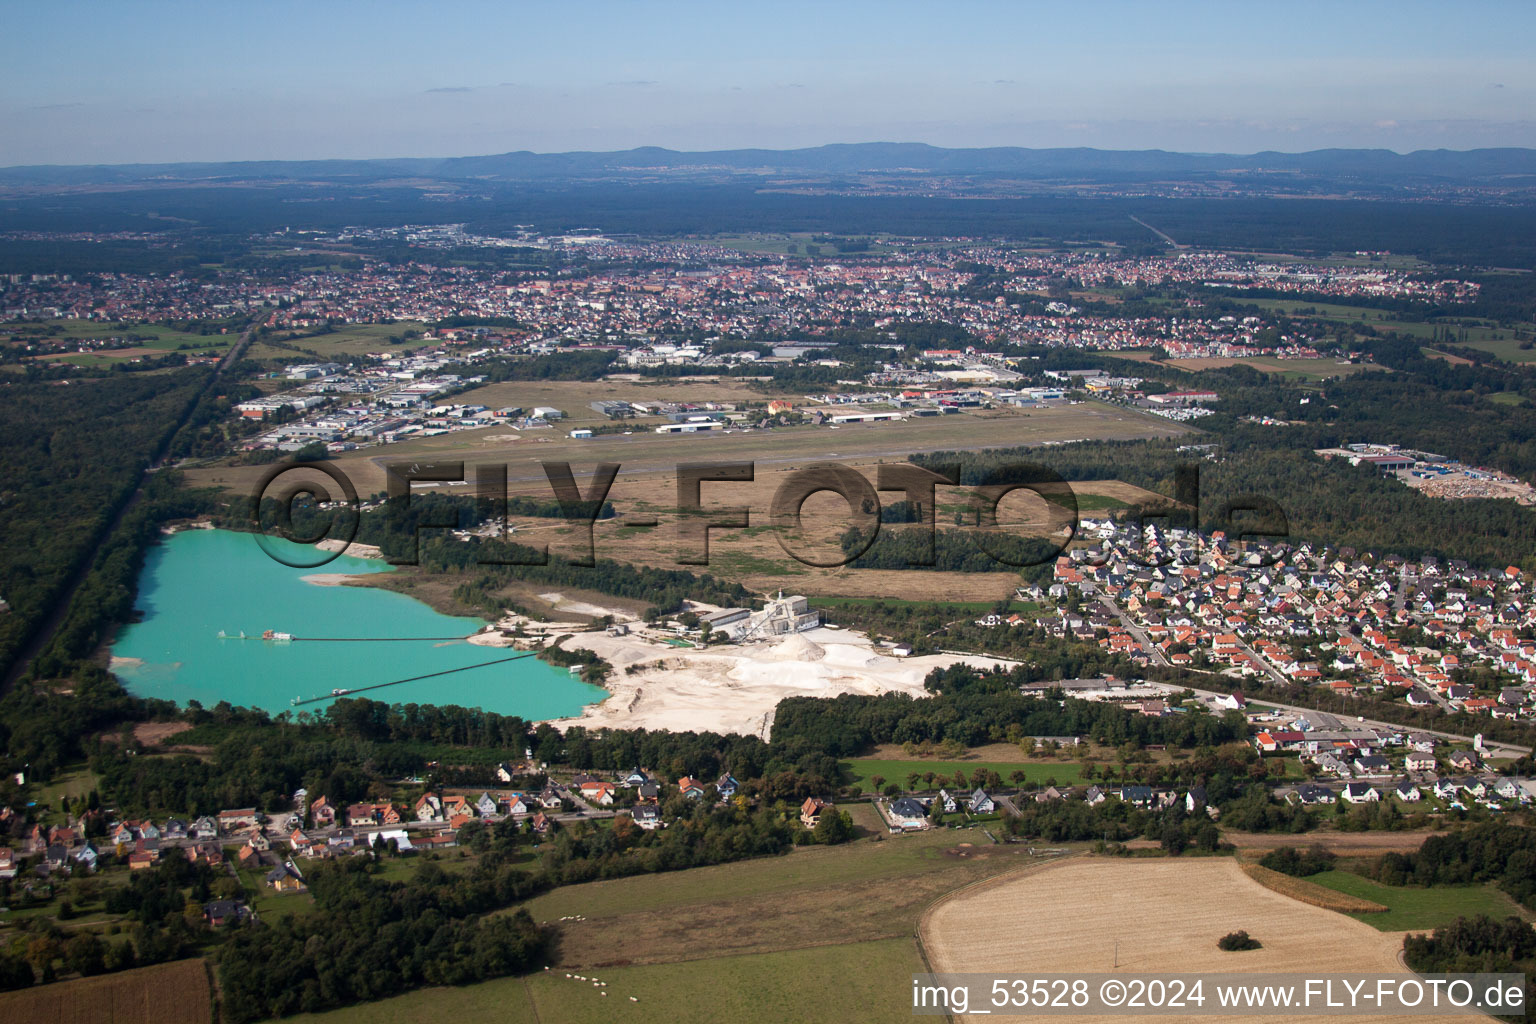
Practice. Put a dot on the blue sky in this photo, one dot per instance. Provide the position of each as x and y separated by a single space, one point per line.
157 81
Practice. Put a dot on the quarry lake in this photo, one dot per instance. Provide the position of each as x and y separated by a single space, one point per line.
199 583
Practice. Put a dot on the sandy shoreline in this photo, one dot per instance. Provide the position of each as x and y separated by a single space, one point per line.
334 579
735 688
356 549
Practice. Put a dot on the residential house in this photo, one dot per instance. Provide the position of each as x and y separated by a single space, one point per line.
726 785
428 807
286 878
1361 793
221 912
235 820
1310 793
1371 766
84 856
486 805
1141 796
980 803
907 813
322 812
946 802
810 811
600 793
206 853
690 787
647 816
1407 792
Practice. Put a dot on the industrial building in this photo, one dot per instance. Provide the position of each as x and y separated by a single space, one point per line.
781 616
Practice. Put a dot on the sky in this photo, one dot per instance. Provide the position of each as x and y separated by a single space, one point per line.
158 81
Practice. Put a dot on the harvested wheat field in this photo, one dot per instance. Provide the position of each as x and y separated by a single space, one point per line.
1167 915
174 993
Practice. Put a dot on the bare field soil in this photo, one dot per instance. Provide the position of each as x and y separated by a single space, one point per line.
151 733
646 489
173 993
1166 915
1269 364
645 451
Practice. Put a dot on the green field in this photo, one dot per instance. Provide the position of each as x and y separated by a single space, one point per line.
155 335
802 867
1066 773
864 981
358 339
73 784
1483 336
1412 908
1505 348
1099 503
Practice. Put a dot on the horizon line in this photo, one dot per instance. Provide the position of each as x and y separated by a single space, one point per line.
765 149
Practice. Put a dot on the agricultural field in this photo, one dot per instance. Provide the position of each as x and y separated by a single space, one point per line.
646 486
822 934
173 993
1296 369
1416 908
851 982
1144 916
1505 348
349 340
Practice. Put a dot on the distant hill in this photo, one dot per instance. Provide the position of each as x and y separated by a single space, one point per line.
1479 167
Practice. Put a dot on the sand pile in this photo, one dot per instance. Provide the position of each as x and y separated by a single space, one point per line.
796 648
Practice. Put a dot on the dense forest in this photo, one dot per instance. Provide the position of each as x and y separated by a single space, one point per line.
71 455
370 938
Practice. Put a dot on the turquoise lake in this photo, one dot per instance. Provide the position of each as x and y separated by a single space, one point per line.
199 582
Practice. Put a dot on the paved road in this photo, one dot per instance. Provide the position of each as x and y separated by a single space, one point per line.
1153 651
